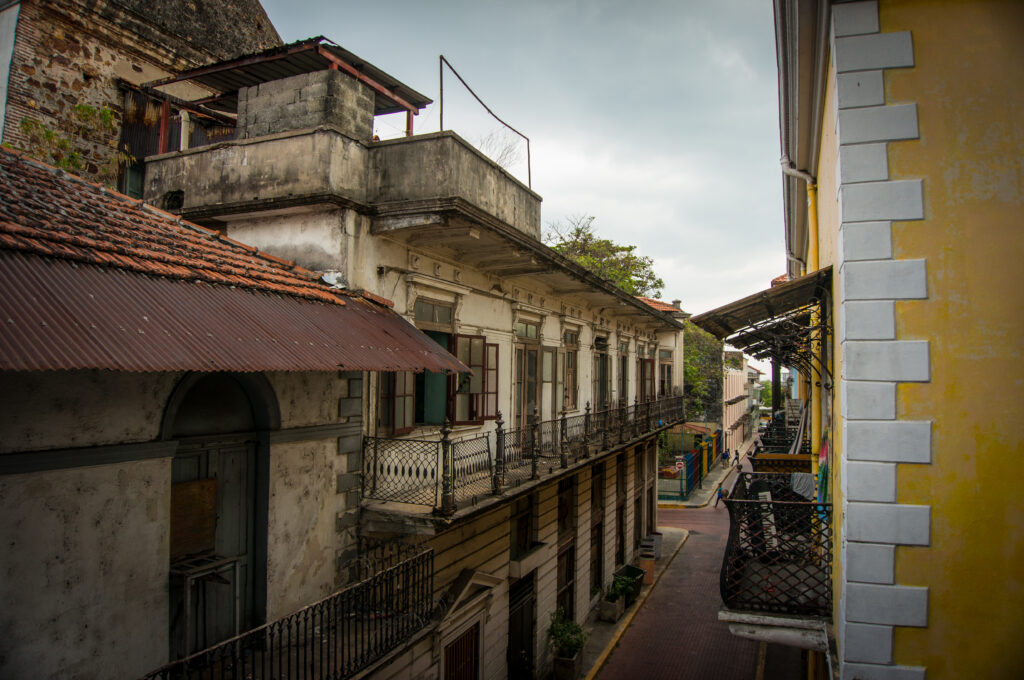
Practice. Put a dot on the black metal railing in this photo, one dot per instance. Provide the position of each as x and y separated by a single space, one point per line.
447 472
779 555
334 638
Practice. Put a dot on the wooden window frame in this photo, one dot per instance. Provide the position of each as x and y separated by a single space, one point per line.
482 403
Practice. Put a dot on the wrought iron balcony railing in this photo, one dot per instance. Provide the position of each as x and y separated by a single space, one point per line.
779 555
334 638
446 472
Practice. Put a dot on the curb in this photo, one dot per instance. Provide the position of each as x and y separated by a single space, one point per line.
626 621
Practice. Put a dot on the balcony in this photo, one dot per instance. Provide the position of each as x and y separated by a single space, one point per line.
448 473
779 556
337 637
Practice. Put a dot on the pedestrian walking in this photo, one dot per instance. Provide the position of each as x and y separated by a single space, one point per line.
719 495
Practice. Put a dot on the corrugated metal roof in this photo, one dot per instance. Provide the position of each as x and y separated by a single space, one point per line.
303 56
57 314
90 279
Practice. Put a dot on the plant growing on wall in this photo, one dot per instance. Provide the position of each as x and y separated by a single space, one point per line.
60 147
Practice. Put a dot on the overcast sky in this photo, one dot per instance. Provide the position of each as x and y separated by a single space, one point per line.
659 118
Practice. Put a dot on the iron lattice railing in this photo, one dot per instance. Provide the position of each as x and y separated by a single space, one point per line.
446 472
334 638
779 555
403 470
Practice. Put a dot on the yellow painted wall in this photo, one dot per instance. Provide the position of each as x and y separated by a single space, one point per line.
828 235
968 82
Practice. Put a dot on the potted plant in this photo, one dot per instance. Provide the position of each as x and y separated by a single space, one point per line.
567 637
613 605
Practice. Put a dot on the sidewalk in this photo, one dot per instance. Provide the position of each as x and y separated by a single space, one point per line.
719 474
603 636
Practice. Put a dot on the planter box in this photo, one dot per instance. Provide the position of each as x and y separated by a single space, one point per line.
568 668
635 576
611 611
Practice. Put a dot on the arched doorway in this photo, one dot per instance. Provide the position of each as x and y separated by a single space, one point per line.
219 480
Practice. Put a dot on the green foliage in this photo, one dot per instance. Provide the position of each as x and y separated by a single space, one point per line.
58 147
766 393
734 362
702 374
619 587
577 240
567 636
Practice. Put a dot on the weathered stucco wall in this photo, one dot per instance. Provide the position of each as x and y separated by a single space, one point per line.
80 408
276 167
456 169
311 504
84 573
969 104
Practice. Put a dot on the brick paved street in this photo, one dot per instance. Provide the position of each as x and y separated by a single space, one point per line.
677 635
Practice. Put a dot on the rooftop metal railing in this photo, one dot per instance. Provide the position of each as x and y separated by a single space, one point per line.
447 472
779 555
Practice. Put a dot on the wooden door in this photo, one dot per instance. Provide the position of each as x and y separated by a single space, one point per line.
521 628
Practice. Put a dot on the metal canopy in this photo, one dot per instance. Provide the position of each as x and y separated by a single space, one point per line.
777 323
776 302
226 78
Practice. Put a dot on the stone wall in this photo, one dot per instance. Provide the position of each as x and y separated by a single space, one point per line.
77 52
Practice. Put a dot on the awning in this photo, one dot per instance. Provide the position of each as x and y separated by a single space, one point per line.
63 315
755 310
776 323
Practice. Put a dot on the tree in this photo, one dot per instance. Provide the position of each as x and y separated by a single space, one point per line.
576 239
702 374
766 393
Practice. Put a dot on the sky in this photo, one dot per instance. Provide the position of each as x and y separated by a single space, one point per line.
657 118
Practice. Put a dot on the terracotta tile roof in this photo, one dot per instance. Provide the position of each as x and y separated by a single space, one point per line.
48 212
91 279
782 278
660 305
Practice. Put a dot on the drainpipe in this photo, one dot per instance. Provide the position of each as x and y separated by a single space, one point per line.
812 266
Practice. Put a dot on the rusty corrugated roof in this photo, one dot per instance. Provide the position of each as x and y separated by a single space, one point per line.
91 279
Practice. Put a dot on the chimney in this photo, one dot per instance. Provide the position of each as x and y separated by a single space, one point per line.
677 303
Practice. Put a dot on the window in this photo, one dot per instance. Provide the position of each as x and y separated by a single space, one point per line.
522 527
476 394
427 398
429 313
645 377
566 509
566 598
462 656
665 372
596 529
527 330
571 340
620 509
602 374
623 372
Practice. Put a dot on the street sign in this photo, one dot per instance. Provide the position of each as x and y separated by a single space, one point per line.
679 465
